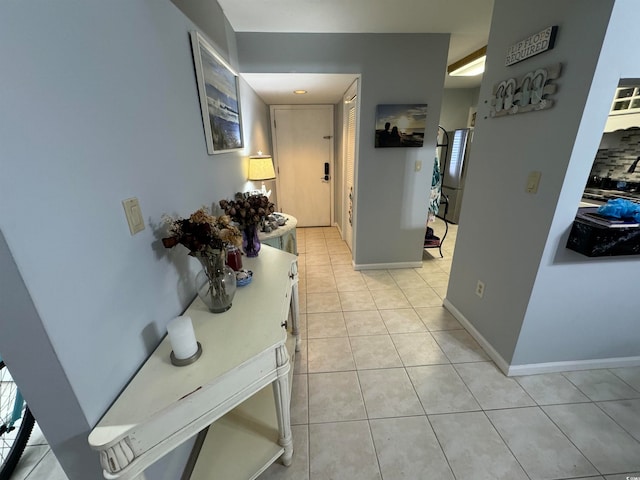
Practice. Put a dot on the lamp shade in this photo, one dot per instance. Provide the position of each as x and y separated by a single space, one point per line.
261 168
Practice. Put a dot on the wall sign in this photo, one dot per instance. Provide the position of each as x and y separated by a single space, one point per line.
530 46
525 94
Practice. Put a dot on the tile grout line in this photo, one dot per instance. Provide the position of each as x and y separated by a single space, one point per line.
613 419
435 434
506 444
567 435
38 463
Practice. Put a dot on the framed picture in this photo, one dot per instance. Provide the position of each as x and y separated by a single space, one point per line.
400 125
219 97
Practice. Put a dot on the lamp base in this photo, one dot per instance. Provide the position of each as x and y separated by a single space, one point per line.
182 362
264 191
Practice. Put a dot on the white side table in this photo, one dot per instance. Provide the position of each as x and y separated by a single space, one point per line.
283 237
240 387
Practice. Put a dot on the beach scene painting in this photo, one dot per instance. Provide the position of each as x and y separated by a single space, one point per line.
400 125
219 98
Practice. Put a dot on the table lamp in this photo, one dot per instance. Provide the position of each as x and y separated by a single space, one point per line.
261 168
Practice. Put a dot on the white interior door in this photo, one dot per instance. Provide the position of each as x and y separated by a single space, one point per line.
350 121
303 153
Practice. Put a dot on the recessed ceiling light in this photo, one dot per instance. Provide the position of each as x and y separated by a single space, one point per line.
299 92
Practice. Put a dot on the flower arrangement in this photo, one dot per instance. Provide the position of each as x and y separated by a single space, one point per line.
201 232
248 210
207 237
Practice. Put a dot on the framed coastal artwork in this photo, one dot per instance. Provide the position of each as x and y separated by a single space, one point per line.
400 125
219 97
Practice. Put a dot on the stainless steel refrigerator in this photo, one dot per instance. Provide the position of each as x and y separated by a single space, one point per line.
453 171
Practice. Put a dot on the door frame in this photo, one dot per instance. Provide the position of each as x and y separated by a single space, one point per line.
272 112
353 92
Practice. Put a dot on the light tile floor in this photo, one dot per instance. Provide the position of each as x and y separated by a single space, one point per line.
389 386
37 461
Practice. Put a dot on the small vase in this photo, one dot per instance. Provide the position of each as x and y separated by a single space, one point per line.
216 282
250 241
234 258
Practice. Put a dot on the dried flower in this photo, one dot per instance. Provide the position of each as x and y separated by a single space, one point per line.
248 210
201 232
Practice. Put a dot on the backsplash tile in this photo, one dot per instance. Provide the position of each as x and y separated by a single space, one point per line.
614 161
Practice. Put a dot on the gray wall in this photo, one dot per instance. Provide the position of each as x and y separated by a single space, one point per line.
210 20
34 364
99 104
553 303
391 203
456 103
583 308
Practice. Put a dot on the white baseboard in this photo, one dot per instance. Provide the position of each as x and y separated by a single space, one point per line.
552 367
384 266
492 352
537 368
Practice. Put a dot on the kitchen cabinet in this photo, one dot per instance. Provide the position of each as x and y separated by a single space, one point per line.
625 109
627 100
622 122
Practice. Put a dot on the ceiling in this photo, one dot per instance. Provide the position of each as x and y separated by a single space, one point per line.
467 21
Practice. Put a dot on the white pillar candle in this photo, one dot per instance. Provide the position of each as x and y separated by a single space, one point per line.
182 337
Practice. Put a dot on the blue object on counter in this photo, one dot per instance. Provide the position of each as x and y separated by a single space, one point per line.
243 277
620 208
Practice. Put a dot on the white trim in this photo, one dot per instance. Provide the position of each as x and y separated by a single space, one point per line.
551 367
384 266
488 348
353 92
332 160
537 368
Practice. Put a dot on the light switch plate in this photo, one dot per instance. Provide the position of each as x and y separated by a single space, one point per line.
134 215
533 180
418 165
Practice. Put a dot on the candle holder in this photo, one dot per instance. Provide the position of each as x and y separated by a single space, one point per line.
185 348
182 362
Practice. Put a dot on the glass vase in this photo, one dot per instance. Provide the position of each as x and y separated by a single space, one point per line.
216 282
250 241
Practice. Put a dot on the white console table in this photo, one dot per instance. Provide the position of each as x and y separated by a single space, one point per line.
283 237
240 386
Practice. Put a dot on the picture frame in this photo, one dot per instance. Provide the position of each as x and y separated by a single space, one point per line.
400 125
219 93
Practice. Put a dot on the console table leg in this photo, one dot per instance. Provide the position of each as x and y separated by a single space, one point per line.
281 392
295 314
